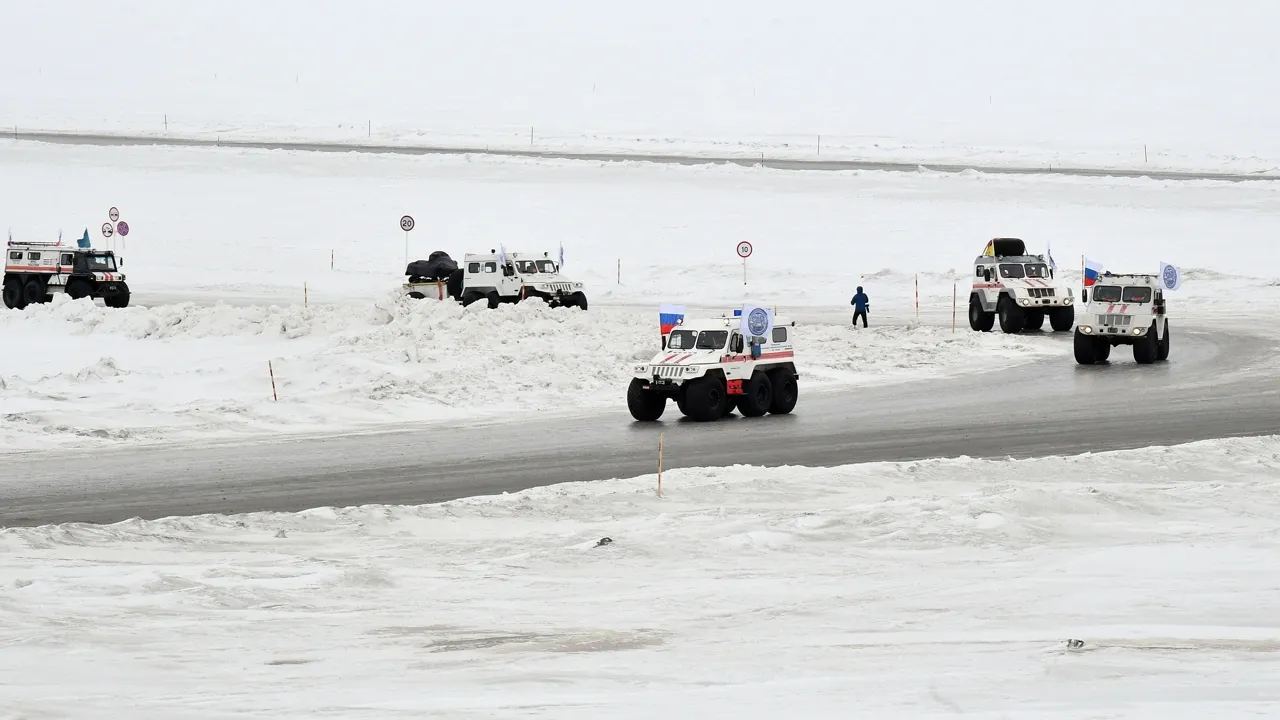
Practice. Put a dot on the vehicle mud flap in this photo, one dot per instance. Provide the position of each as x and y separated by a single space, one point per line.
734 387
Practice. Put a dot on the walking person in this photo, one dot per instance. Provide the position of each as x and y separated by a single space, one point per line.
861 304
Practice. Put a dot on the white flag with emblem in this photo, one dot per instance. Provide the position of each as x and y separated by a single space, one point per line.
757 321
1170 277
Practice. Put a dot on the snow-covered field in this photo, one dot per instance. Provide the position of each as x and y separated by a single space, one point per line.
923 590
1093 83
95 375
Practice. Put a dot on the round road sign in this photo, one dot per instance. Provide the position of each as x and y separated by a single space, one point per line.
406 223
744 249
122 227
114 214
107 230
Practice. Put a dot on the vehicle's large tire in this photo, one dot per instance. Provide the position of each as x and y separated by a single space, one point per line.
705 398
494 300
78 288
1163 353
33 292
119 300
1086 349
684 409
757 395
453 287
1101 349
1034 320
13 294
578 300
786 391
980 320
471 296
1147 347
1063 318
417 295
1011 316
645 405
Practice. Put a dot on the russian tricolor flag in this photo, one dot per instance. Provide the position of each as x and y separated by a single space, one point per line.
1092 270
669 316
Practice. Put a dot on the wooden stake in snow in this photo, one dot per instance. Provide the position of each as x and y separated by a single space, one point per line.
660 464
271 371
917 296
955 294
304 294
331 260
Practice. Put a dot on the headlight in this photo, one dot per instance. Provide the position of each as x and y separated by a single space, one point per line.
641 368
1024 301
1086 329
1066 300
1137 331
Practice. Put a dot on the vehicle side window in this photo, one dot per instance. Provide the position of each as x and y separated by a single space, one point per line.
473 267
491 267
16 255
33 256
779 335
67 259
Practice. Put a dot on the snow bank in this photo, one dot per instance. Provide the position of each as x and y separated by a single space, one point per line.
919 589
94 374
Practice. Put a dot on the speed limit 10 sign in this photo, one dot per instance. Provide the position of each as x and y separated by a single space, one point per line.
744 249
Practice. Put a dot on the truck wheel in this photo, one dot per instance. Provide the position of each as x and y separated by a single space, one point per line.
684 409
494 300
1061 319
577 300
785 391
980 320
78 288
453 287
757 395
1035 320
1011 316
645 405
13 294
1086 349
33 292
705 399
1163 353
1101 349
471 296
1146 348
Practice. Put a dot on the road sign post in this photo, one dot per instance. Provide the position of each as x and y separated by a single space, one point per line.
744 252
406 224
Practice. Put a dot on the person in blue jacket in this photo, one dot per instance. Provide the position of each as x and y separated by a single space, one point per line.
861 304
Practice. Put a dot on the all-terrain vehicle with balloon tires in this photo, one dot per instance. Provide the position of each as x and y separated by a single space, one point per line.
710 368
493 278
1018 289
35 271
1123 310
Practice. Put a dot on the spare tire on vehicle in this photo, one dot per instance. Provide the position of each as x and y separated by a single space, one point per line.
437 266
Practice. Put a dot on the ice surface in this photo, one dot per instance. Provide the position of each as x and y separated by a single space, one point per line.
924 80
922 590
98 375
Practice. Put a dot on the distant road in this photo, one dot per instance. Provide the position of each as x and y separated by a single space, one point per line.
675 159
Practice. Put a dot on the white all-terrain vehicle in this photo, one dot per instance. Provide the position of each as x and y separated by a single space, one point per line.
1019 289
1123 310
495 279
34 271
709 369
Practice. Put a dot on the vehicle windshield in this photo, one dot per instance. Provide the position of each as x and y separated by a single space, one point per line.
1037 270
530 267
1106 294
100 263
694 340
1137 295
1012 271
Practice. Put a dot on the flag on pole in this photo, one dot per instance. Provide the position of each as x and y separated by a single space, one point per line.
561 254
84 241
59 236
1092 269
990 250
502 255
1170 276
1052 264
669 316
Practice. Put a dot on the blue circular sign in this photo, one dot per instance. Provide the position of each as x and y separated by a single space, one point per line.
758 321
122 227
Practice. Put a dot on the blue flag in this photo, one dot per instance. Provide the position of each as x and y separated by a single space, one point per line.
84 241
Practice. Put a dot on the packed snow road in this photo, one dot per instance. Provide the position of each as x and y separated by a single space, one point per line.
1216 384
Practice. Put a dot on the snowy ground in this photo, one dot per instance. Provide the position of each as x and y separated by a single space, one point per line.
186 371
1099 83
925 589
